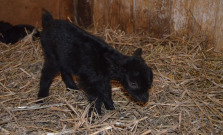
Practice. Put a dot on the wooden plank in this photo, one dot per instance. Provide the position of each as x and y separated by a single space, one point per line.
141 13
204 16
126 16
159 19
27 11
219 27
66 9
180 16
98 13
75 11
112 13
115 13
85 13
107 14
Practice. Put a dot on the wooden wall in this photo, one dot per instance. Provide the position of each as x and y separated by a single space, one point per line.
158 17
161 17
30 11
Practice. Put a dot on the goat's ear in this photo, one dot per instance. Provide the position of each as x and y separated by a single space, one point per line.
138 52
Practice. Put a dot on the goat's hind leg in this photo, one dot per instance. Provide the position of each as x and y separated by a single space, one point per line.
68 80
49 71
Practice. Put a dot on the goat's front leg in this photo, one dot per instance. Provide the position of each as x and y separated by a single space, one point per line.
105 92
91 88
68 79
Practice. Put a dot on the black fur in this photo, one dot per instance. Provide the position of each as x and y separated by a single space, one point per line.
3 29
12 34
72 51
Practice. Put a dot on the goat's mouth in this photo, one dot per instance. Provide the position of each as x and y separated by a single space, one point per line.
142 98
134 93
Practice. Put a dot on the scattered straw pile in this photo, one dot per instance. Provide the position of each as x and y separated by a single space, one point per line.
186 98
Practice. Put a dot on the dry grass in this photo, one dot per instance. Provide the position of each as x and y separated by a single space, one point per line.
186 98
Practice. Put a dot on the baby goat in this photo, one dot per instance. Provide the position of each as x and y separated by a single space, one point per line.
72 51
11 34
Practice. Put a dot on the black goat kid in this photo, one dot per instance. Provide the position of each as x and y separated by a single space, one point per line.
10 34
72 51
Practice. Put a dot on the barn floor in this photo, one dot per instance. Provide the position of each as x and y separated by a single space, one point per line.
186 98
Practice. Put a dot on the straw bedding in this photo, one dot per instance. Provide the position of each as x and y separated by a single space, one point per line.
186 98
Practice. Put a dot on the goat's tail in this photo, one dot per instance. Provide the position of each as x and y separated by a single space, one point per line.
46 18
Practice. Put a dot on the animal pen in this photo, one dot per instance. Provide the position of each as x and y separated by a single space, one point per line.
181 41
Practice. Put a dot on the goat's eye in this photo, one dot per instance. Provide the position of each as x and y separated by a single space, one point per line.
133 84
